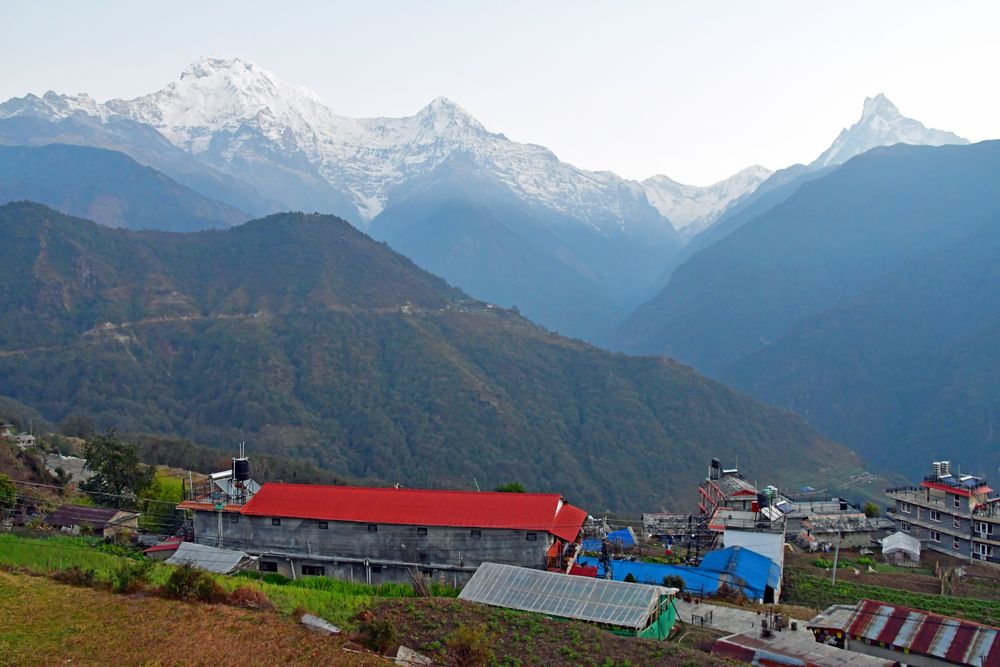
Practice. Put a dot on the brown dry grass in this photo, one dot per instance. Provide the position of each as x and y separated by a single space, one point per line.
47 623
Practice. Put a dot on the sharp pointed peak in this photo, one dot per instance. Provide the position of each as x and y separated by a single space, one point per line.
880 105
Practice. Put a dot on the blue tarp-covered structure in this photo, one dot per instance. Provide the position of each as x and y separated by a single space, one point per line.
737 567
623 538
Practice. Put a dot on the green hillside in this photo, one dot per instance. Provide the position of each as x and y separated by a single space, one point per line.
305 338
108 187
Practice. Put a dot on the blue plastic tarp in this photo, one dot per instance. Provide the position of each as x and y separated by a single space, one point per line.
623 537
737 567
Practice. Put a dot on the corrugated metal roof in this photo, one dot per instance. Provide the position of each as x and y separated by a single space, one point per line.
544 512
74 515
598 600
954 640
221 561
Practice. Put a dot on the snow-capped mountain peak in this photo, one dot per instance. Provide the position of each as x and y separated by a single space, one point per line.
880 105
692 208
881 124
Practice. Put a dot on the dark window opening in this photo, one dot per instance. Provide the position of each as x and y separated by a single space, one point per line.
268 566
376 569
372 528
421 531
476 534
322 525
313 570
531 537
275 522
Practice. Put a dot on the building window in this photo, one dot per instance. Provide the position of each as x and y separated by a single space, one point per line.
955 544
275 521
421 531
935 536
904 527
984 528
372 528
313 570
984 550
476 534
234 518
268 566
322 525
956 522
957 502
531 537
935 516
906 508
376 569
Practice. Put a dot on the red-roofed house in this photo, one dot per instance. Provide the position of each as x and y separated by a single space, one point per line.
381 534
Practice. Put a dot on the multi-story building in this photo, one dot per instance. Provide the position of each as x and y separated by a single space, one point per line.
950 513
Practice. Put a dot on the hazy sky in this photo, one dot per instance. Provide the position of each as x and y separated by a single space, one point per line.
694 90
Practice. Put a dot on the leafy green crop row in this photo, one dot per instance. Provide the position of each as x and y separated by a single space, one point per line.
802 588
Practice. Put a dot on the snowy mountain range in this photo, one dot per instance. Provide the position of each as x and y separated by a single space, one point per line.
576 250
881 124
238 117
691 208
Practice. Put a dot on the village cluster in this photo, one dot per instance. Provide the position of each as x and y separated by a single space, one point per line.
537 552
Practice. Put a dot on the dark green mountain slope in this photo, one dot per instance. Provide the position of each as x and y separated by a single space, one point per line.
307 339
107 187
824 243
907 370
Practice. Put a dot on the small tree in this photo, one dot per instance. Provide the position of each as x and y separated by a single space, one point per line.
511 487
872 510
77 425
119 475
8 494
629 577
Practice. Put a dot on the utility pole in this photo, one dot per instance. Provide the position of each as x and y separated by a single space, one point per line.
836 557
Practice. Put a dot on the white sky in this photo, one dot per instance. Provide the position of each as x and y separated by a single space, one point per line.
694 90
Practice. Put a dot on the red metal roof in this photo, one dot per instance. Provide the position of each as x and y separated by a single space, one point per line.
952 639
546 512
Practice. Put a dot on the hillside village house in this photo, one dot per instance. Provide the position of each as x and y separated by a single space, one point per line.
377 535
950 513
104 521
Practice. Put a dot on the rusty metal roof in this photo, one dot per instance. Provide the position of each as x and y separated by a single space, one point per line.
952 639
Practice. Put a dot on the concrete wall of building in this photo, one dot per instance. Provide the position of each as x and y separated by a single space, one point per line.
441 549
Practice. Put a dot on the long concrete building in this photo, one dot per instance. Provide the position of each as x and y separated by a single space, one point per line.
377 535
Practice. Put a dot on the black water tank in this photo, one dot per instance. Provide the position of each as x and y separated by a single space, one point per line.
763 500
241 469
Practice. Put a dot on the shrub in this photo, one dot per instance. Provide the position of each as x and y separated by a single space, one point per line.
131 576
189 583
275 578
77 576
251 598
865 561
377 634
823 563
630 578
470 646
673 581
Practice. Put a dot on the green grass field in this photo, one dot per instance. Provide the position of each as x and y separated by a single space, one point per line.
806 589
336 601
